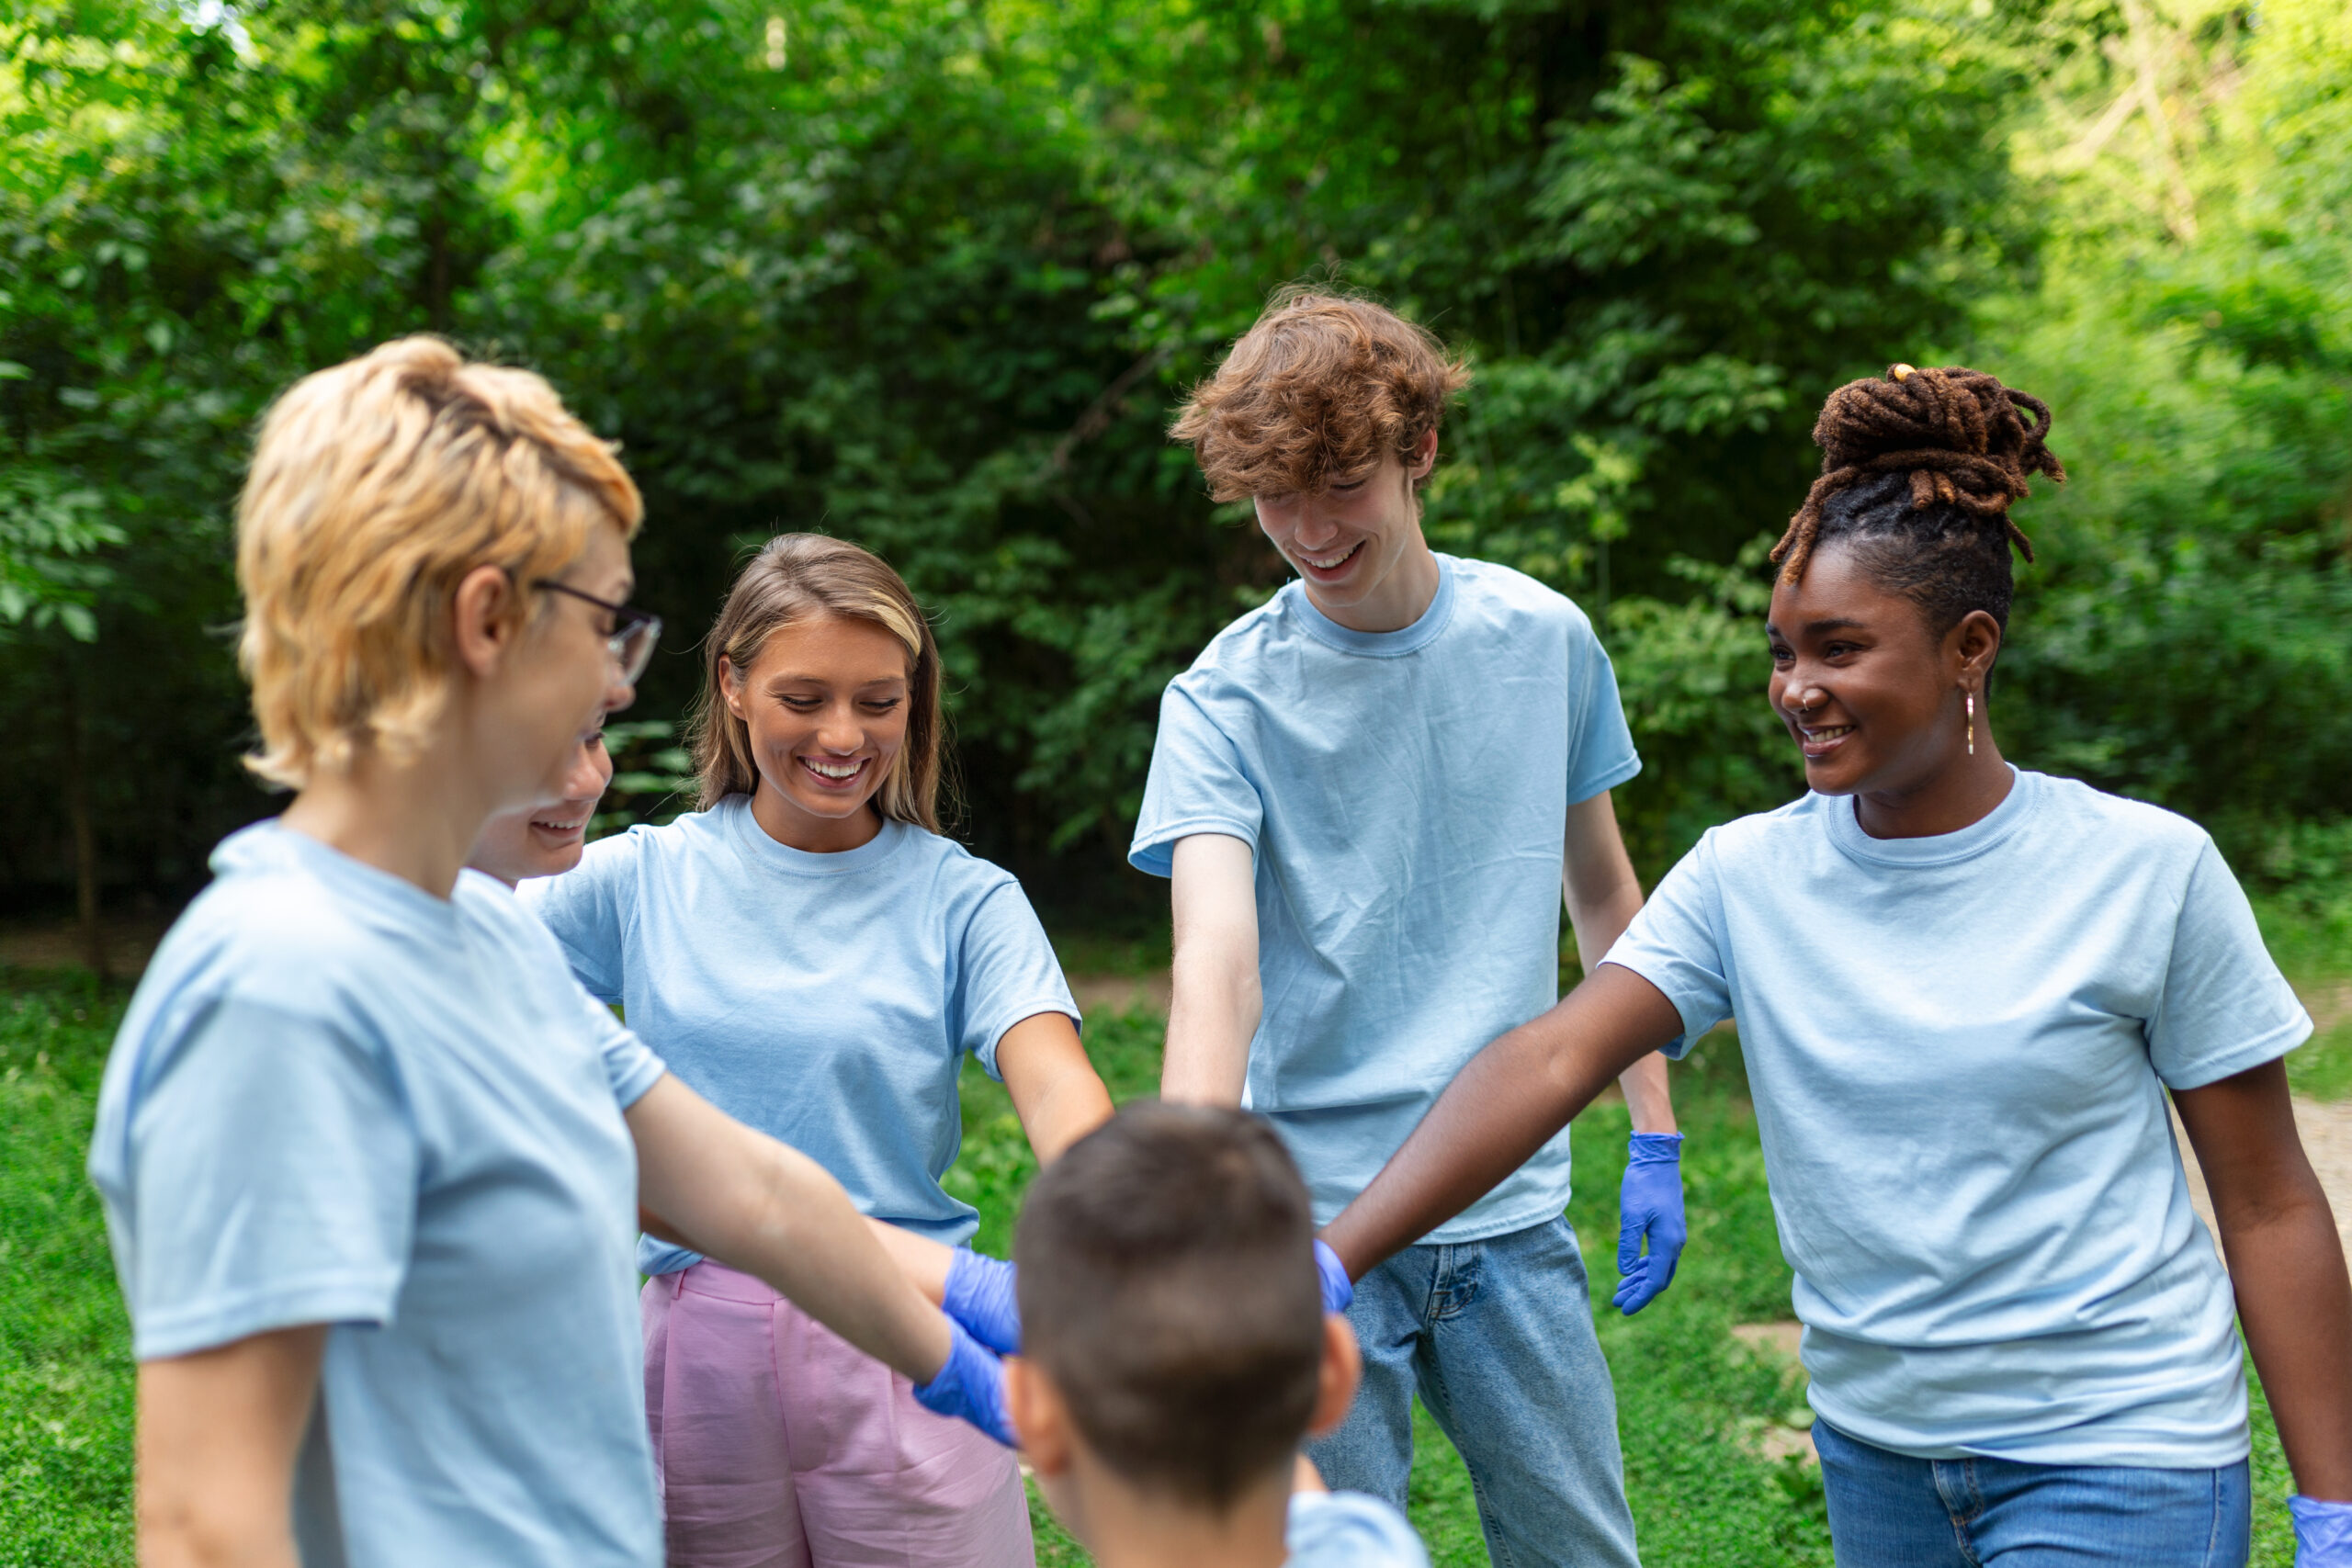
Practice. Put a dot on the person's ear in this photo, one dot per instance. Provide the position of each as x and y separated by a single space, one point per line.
1039 1416
730 688
485 626
1336 1379
1973 646
1424 457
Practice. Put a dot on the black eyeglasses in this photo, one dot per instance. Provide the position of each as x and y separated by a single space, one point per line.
635 632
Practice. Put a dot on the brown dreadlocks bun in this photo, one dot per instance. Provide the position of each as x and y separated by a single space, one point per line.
1918 469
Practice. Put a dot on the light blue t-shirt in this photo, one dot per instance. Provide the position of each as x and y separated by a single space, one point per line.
1349 1529
339 1099
826 999
1957 1048
1407 797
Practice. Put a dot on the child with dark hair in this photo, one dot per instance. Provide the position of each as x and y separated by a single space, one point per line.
1175 1352
1371 795
1964 991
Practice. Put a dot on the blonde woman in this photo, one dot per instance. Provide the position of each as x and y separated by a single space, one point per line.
371 1163
808 952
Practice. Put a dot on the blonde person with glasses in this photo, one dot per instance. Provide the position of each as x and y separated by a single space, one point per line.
372 1163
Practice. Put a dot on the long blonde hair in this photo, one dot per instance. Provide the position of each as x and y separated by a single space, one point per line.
796 577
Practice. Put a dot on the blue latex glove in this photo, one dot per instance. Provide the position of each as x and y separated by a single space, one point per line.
1338 1289
970 1386
2322 1533
1649 1204
980 1296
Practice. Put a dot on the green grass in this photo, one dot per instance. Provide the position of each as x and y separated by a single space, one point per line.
65 1383
1690 1397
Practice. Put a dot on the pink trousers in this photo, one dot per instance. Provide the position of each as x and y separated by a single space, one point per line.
780 1446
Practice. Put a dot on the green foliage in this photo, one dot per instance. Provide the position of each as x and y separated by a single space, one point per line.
2183 635
930 276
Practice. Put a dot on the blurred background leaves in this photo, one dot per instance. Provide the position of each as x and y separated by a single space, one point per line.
930 276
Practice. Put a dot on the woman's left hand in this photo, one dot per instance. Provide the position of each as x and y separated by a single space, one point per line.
980 1296
971 1386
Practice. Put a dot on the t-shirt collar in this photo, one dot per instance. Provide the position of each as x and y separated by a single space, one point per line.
1937 849
1379 645
765 854
270 846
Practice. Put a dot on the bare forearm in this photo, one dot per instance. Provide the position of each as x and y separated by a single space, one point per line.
2296 1304
923 1262
1212 1016
1602 897
1647 1096
1055 1089
1510 1098
1214 1011
807 1241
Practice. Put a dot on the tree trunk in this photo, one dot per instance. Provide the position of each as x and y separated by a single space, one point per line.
85 831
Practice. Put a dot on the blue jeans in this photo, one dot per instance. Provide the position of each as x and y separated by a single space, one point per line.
1497 1335
1888 1510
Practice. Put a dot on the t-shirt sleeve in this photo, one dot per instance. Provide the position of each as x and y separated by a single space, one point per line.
1349 1529
1602 754
1197 784
1007 971
2224 1007
630 1065
1675 943
273 1170
585 908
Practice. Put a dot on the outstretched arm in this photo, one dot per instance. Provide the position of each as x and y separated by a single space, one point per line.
1054 1088
1503 1107
2287 1263
1215 1006
771 1210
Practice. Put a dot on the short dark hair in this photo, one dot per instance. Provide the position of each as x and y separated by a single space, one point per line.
1168 1287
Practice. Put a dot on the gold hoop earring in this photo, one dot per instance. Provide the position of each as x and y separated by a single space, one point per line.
1972 724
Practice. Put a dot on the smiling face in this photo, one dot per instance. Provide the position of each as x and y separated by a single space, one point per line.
1358 543
825 705
547 840
1873 699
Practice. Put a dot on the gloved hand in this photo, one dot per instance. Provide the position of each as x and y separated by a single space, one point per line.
980 1296
1649 1204
970 1386
2322 1533
1338 1289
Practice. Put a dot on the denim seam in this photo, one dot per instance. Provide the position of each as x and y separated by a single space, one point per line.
1975 1500
1489 1525
2214 1526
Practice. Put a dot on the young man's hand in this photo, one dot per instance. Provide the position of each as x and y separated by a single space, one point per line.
1649 1204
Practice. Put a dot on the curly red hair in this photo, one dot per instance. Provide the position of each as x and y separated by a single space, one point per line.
1315 392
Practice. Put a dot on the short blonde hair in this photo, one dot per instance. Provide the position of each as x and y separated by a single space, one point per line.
1314 393
376 487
